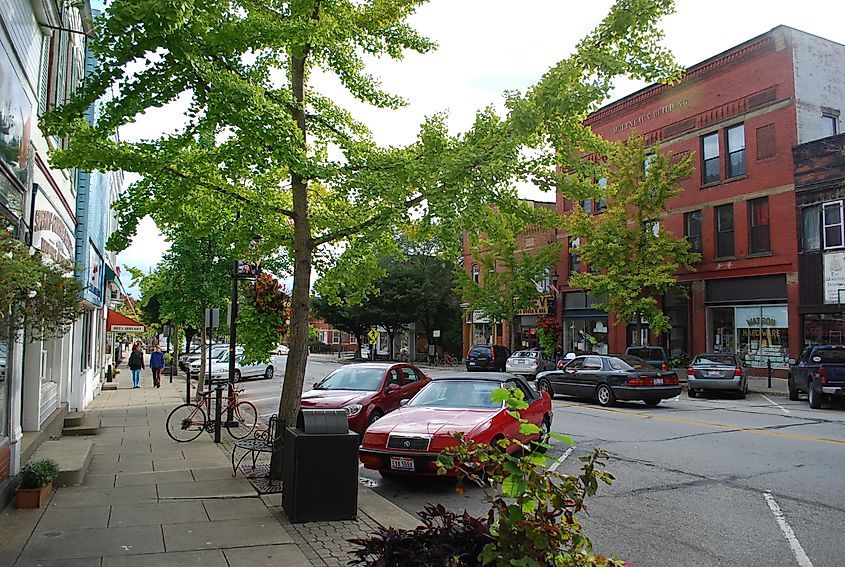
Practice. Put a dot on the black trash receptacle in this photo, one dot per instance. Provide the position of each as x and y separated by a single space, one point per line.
320 467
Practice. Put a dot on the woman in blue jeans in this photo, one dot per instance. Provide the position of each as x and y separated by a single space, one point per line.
136 363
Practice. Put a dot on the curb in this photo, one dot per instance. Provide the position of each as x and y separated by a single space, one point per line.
383 511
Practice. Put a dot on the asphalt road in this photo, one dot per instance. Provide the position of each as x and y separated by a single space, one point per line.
712 481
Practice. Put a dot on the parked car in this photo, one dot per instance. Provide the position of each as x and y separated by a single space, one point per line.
819 372
220 368
367 391
281 349
193 351
654 355
716 371
529 363
192 361
407 441
606 378
487 357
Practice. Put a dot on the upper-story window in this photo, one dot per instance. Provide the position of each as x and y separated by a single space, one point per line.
710 158
830 123
587 204
602 202
811 234
475 274
692 229
759 236
833 225
735 136
574 262
724 231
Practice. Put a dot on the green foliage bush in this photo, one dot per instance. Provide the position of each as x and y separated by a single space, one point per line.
36 474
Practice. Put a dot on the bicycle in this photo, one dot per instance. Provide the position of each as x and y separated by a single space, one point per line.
187 421
449 360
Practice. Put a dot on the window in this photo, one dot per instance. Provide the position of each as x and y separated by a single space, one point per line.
830 122
647 161
602 202
587 204
335 337
724 231
811 233
475 276
85 361
410 375
710 156
759 238
692 230
832 216
736 150
574 263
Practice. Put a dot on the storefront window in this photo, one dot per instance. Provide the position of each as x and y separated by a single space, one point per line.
585 335
481 333
4 385
762 336
824 329
722 330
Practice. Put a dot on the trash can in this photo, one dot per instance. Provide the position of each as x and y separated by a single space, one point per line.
320 467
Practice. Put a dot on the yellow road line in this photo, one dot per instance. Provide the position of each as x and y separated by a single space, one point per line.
685 421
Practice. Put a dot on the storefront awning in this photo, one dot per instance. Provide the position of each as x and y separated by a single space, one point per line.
114 277
118 323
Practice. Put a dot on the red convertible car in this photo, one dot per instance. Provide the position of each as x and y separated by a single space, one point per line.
366 391
409 440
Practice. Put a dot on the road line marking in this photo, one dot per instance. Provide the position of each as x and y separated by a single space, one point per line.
775 404
733 428
560 459
797 550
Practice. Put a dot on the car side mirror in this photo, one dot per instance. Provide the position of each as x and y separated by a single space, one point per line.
790 361
316 385
404 402
392 387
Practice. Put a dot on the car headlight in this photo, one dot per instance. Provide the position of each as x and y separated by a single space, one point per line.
353 409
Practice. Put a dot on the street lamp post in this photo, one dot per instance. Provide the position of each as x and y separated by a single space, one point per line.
554 279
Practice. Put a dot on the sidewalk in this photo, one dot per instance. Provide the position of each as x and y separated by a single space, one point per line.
147 500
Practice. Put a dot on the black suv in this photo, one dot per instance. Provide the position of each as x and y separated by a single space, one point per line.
487 357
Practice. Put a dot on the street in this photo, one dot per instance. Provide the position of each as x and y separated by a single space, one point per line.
709 481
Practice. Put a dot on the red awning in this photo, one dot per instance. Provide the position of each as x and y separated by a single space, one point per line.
118 323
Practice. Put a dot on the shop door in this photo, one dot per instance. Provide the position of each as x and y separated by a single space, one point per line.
722 330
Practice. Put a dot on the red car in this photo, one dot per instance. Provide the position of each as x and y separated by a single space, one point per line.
367 391
409 440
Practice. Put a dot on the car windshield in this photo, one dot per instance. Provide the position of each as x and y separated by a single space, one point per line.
526 354
352 378
715 360
458 394
627 362
480 351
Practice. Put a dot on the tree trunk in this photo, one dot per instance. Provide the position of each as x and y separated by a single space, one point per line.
390 337
201 379
300 295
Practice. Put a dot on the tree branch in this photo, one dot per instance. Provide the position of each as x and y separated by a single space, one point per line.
372 221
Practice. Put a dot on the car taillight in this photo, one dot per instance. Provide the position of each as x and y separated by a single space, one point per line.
641 381
671 380
823 375
664 367
492 354
534 362
738 373
690 372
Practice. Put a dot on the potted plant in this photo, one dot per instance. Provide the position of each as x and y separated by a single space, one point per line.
36 483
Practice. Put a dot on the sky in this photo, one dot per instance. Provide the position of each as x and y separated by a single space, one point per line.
488 46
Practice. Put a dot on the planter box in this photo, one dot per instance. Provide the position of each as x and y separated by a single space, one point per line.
32 497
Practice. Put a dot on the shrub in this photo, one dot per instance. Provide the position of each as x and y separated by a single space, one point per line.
36 474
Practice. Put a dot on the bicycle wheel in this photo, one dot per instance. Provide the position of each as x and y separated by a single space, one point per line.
185 423
245 416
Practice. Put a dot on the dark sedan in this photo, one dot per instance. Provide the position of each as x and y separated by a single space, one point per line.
607 379
716 371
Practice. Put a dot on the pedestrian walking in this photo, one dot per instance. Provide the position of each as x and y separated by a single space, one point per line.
136 363
156 365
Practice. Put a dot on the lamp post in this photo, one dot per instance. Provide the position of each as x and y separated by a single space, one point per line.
553 304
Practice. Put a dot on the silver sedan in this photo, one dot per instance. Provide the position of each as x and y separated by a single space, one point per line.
716 371
528 363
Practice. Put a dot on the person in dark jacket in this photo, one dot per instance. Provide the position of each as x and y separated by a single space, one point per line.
156 364
136 363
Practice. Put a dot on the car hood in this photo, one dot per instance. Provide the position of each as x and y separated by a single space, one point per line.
432 421
334 398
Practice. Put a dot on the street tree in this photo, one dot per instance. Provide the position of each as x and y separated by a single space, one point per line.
260 141
508 273
352 319
633 260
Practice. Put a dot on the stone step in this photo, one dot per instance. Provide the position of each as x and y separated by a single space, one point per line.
74 419
110 385
90 425
73 456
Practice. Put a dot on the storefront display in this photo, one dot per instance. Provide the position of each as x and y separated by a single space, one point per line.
758 334
824 329
585 335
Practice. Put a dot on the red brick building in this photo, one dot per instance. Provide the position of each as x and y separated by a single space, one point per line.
739 114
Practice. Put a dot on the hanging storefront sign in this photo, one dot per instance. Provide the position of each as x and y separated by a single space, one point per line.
478 316
834 277
540 306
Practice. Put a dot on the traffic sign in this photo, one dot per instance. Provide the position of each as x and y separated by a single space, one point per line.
373 336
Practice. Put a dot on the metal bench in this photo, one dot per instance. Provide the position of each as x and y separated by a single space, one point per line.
262 441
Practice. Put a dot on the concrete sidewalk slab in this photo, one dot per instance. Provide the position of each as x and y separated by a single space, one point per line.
91 542
157 513
207 558
57 518
243 532
266 556
85 496
161 477
221 509
222 488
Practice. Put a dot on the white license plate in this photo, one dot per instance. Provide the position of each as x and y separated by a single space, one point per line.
401 464
714 374
658 381
472 364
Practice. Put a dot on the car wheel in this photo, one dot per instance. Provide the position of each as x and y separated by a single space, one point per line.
544 386
374 417
237 377
691 393
652 403
741 395
604 395
268 374
793 393
545 429
815 397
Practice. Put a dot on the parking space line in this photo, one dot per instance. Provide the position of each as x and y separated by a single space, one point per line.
775 404
560 459
794 544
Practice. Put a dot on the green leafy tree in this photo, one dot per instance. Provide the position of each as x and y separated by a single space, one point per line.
258 131
632 258
507 273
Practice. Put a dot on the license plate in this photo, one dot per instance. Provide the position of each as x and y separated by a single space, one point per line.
401 463
658 381
714 374
472 364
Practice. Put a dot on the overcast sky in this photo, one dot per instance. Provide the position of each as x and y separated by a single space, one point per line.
489 46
